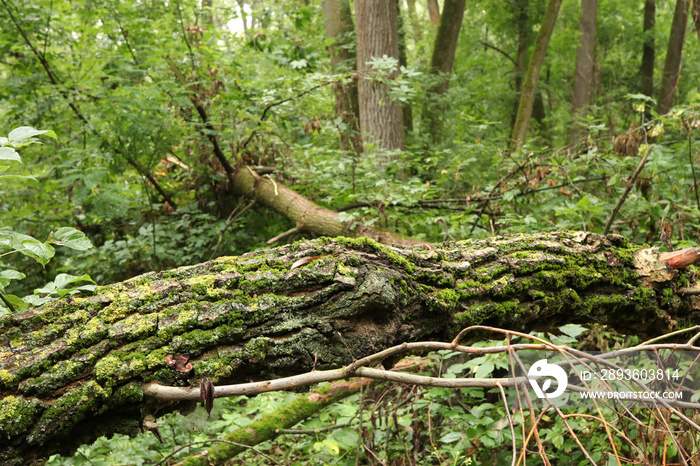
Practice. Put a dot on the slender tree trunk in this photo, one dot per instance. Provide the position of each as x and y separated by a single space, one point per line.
337 17
521 7
442 64
585 62
672 67
434 12
403 61
381 119
585 56
696 16
527 97
648 54
73 370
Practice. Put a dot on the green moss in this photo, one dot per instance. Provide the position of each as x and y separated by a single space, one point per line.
204 285
17 415
135 327
364 243
6 379
113 312
108 368
448 298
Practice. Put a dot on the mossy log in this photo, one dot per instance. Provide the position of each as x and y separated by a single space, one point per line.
73 369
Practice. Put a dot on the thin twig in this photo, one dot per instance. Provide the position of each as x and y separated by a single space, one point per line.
208 130
228 224
628 188
274 104
292 231
503 179
184 35
493 47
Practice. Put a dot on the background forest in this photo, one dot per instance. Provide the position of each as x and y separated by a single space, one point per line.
420 120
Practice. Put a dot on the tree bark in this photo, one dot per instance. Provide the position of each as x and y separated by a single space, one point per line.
442 63
337 18
406 107
381 120
521 13
583 77
696 16
434 12
73 369
672 67
647 70
527 96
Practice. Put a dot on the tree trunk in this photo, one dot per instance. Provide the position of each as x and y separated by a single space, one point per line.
521 7
434 12
672 67
381 120
406 107
647 70
583 77
340 30
442 63
73 370
696 16
527 96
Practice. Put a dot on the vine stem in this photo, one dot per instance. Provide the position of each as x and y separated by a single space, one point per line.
628 188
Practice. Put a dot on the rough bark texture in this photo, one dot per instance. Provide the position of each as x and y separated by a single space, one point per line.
583 77
73 370
381 120
337 17
672 67
527 97
647 70
442 63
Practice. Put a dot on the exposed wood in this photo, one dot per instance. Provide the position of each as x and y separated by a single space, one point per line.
73 369
305 214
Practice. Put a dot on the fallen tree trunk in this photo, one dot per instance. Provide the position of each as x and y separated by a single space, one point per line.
73 369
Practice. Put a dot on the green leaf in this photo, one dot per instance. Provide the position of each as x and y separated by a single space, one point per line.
24 134
6 276
573 330
71 238
41 252
8 153
16 301
451 437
